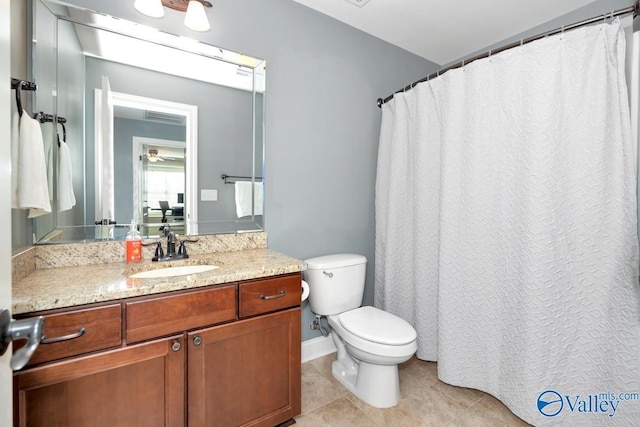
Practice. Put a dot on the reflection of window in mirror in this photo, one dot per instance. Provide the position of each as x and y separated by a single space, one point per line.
163 185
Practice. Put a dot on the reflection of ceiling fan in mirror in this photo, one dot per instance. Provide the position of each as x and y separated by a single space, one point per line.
153 156
165 153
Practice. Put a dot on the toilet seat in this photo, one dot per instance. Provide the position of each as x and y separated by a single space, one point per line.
375 349
372 324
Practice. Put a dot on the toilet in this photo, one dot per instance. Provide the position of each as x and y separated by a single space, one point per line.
370 342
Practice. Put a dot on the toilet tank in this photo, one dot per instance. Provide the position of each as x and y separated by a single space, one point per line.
336 282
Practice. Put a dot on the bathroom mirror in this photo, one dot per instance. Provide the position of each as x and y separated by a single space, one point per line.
185 120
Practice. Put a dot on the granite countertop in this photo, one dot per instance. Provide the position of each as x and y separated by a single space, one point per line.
50 288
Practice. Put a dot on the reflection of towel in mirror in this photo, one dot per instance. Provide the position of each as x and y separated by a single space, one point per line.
65 179
243 198
48 161
33 188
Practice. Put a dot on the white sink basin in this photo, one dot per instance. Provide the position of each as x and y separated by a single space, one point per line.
173 271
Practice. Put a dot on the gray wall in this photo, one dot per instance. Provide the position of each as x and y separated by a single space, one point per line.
322 123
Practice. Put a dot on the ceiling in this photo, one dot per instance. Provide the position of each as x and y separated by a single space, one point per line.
444 31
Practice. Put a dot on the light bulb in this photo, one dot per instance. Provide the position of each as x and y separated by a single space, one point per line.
151 8
196 18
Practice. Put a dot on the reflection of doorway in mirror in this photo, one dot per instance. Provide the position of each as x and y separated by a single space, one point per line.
123 101
159 171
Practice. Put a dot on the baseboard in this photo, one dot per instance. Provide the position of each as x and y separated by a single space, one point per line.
317 347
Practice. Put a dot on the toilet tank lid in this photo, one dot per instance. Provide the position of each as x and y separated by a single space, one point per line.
335 261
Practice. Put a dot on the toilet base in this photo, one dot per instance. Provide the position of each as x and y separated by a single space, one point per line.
376 385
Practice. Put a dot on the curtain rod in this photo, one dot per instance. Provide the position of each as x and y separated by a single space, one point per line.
635 9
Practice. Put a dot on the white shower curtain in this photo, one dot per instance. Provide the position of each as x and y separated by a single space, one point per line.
506 227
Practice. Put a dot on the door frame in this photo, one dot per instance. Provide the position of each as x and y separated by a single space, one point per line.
137 143
6 110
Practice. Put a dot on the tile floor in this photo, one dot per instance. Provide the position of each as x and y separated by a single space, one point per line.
424 401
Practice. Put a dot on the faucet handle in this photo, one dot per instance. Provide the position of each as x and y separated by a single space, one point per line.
182 249
159 252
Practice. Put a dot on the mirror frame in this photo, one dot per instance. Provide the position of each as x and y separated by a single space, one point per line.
97 20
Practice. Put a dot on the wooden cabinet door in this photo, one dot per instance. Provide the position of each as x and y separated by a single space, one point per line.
141 385
246 372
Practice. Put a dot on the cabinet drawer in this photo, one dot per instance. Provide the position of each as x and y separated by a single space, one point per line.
164 315
267 295
103 326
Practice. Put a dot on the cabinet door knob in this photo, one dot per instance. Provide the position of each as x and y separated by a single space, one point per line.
197 340
175 346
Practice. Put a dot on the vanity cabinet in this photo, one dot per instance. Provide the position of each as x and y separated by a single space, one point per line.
222 355
141 385
245 373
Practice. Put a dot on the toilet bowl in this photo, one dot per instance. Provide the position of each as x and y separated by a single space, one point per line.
370 342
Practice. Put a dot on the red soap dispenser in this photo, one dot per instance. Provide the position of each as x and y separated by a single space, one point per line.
134 244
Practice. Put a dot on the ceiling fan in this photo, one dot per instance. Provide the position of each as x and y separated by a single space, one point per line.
161 154
153 156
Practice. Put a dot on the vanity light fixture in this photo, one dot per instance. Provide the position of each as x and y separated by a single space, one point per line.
195 17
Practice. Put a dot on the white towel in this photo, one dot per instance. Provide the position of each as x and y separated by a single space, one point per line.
243 198
15 150
67 199
33 188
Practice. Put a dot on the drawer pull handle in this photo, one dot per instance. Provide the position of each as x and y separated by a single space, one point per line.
268 297
78 334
